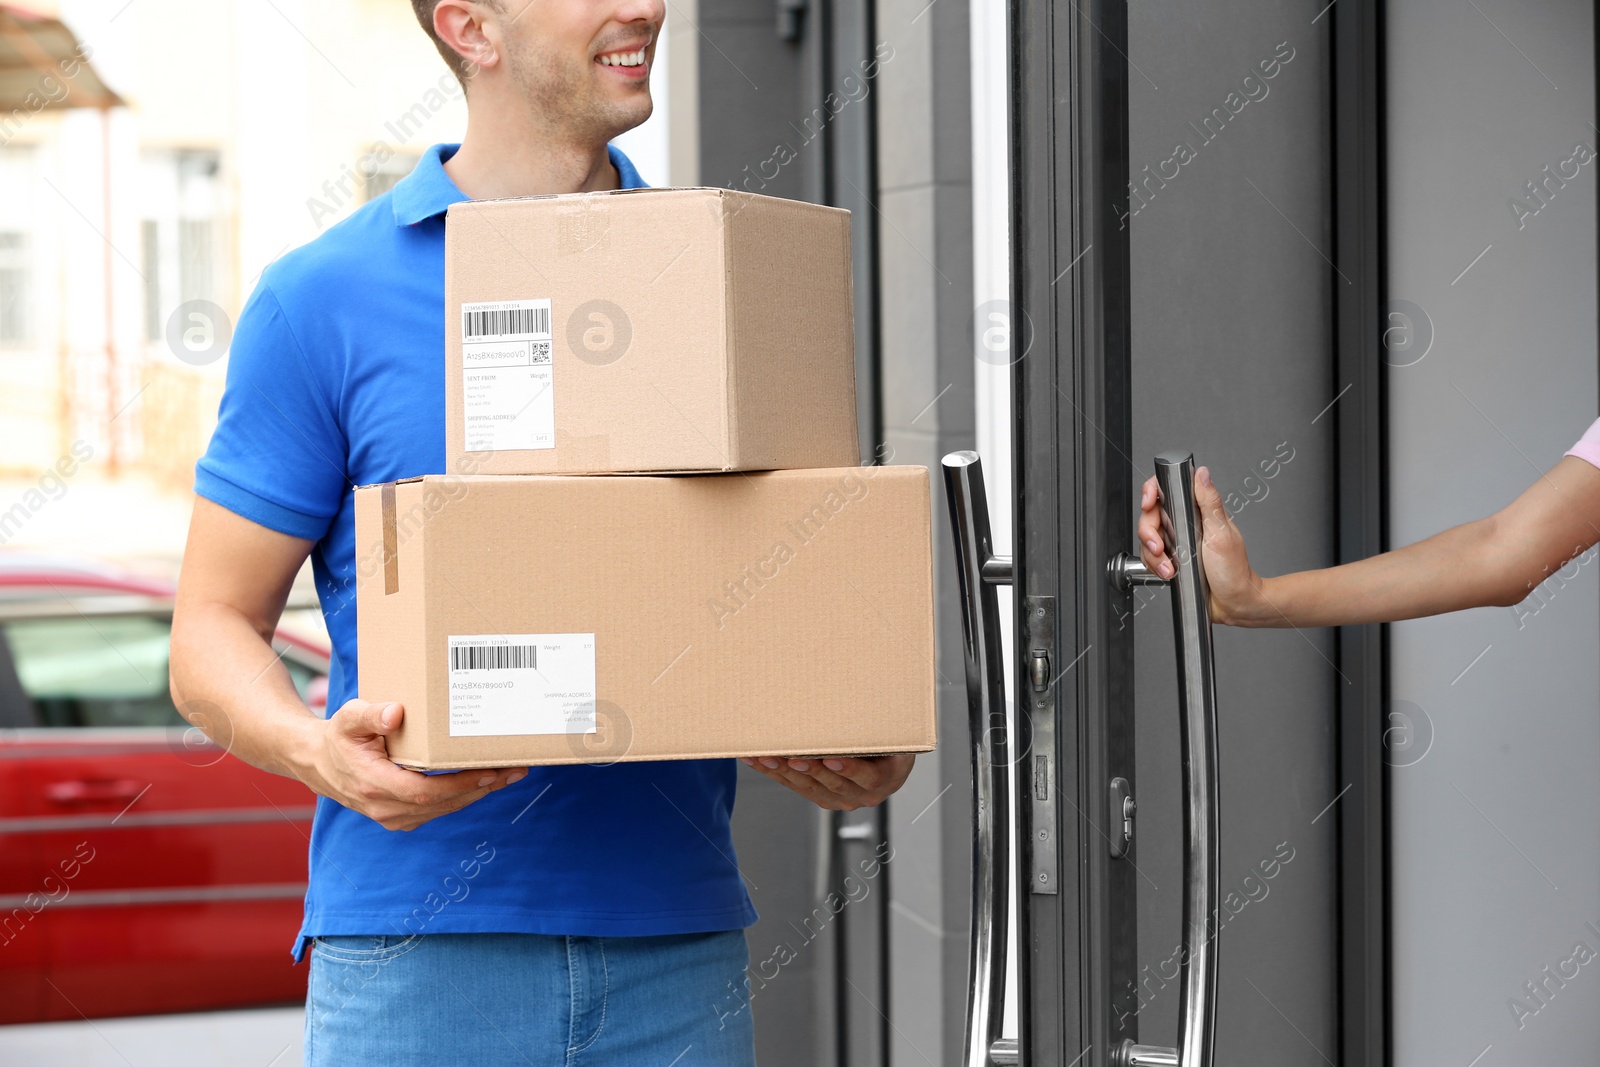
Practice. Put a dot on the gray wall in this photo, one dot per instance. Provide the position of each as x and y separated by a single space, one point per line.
925 288
1232 358
1496 859
754 91
752 85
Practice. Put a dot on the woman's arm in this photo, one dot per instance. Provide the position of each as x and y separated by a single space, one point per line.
1492 561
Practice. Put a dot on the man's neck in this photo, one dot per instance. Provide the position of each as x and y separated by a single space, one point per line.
505 159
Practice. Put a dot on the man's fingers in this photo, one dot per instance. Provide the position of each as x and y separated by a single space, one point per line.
359 774
803 784
865 773
785 774
445 788
399 814
450 788
410 803
845 775
376 780
841 783
376 777
361 719
844 785
801 780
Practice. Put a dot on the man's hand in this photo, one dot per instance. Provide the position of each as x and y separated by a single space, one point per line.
227 680
1236 597
350 764
839 783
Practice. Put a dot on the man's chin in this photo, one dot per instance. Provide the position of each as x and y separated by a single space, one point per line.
624 115
632 99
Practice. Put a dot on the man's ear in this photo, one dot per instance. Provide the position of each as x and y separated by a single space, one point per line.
464 27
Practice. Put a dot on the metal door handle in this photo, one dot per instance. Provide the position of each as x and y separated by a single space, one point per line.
1197 690
978 570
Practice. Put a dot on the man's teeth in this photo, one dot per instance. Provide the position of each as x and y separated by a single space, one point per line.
623 59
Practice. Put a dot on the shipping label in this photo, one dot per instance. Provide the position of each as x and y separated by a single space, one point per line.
509 684
508 391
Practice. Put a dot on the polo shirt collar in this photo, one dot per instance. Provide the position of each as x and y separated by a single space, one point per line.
428 191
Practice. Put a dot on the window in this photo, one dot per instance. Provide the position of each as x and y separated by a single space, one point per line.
196 264
16 284
382 171
150 261
179 235
102 671
16 246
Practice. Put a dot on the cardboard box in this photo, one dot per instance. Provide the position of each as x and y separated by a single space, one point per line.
648 330
582 620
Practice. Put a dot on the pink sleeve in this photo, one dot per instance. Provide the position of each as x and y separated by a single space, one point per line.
1588 448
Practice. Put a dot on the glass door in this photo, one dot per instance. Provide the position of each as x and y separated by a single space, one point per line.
1198 875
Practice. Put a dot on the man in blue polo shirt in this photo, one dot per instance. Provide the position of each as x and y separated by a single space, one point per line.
573 915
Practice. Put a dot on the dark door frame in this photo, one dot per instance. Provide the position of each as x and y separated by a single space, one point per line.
1073 510
1071 513
1360 477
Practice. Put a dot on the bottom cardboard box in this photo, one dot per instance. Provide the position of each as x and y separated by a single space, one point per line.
546 619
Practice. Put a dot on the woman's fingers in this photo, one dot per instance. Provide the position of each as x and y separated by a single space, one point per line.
1208 501
1152 550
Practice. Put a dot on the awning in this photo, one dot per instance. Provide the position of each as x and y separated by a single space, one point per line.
41 68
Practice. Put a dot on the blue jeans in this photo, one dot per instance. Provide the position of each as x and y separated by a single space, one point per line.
437 1000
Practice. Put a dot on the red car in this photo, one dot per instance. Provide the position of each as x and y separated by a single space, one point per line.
142 868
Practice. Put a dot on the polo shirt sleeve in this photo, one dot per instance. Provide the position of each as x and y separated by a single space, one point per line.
1588 447
277 456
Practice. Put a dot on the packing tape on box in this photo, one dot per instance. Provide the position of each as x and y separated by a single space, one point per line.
583 227
391 541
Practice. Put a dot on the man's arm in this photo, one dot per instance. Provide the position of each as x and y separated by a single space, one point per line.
227 680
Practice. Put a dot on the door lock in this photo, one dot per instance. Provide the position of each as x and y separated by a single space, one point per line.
1122 808
1039 670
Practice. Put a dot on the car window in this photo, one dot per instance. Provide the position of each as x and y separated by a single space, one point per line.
107 671
16 710
102 671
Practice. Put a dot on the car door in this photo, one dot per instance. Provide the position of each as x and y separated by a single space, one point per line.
178 869
22 889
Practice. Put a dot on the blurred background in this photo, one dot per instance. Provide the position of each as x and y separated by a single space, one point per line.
155 156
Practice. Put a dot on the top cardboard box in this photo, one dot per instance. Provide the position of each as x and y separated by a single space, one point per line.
648 330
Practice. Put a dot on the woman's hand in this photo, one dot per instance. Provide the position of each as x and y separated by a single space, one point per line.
1236 590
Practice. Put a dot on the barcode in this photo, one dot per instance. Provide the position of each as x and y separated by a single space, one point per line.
493 657
505 322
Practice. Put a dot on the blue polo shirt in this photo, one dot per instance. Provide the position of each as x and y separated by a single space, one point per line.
336 379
